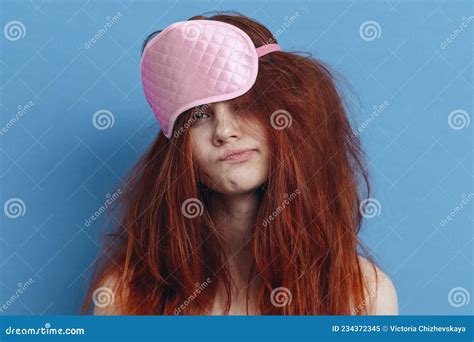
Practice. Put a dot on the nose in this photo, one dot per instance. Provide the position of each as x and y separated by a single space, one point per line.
226 125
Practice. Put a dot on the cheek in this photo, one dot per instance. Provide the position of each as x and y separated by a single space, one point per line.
266 152
201 158
199 150
264 161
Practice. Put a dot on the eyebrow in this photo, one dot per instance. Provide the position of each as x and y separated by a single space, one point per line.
208 105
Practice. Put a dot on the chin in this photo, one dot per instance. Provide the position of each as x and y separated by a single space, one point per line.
229 187
237 192
239 180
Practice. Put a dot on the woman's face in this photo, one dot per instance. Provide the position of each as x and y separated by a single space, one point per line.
218 135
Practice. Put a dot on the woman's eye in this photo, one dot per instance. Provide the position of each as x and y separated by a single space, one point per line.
200 115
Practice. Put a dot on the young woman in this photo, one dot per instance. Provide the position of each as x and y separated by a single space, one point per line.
250 207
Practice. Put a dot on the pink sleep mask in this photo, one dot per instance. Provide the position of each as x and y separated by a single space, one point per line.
196 62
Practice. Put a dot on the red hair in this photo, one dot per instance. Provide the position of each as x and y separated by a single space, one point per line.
309 247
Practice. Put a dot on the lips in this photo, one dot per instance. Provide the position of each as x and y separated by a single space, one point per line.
238 155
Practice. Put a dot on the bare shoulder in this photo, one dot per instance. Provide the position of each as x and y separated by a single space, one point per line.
106 297
381 294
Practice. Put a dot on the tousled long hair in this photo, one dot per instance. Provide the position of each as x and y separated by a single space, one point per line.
159 256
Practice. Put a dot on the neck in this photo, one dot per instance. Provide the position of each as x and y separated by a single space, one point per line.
235 217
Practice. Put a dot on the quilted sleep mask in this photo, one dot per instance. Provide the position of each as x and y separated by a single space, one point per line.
196 62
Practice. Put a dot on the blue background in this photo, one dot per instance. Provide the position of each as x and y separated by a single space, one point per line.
62 167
